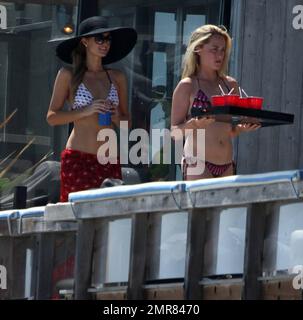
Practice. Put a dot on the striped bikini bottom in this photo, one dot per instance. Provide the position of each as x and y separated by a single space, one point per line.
216 170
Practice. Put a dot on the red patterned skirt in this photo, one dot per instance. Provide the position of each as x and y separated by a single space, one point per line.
82 171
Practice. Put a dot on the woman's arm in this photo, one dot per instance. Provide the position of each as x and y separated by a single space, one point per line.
180 105
120 113
55 115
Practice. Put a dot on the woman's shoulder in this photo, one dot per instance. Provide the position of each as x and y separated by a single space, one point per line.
65 74
187 80
186 84
230 80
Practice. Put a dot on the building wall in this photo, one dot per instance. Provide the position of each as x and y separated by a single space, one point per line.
267 61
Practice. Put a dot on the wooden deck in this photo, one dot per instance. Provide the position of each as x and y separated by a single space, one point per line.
89 217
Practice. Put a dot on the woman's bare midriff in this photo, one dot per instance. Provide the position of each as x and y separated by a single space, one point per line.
84 135
218 144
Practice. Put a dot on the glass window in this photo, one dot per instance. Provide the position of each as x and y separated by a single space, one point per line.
167 246
111 252
283 248
225 242
28 67
173 245
153 68
118 250
165 27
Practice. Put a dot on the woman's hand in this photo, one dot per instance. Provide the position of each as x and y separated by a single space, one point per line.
247 127
177 131
97 106
244 127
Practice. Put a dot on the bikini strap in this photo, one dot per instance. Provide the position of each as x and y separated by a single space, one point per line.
199 83
110 80
226 86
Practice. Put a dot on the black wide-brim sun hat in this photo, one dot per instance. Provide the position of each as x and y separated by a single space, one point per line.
122 43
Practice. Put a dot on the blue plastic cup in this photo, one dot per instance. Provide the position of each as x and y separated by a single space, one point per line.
105 119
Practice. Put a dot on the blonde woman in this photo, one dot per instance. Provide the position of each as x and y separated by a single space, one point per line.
205 66
91 90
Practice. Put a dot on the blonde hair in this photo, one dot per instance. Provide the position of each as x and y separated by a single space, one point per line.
200 37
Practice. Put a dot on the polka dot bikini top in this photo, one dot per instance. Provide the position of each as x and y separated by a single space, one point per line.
83 96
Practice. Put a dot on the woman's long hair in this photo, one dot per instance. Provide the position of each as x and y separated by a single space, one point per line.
200 37
79 68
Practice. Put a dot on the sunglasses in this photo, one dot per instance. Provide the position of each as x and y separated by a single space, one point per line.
100 39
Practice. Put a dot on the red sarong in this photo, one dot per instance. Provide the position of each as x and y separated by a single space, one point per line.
82 171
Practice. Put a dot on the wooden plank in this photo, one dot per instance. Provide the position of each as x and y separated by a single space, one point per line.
172 292
237 23
280 290
45 261
100 253
290 139
228 291
254 243
272 84
271 69
271 239
35 225
224 196
251 77
137 257
127 206
246 195
153 246
39 225
116 295
84 257
59 212
211 241
194 261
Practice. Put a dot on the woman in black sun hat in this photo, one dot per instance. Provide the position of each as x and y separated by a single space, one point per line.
97 97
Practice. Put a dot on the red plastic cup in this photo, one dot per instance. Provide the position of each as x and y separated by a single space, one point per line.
217 101
232 100
244 102
256 102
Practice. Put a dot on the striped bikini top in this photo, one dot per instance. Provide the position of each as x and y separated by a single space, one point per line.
84 97
201 101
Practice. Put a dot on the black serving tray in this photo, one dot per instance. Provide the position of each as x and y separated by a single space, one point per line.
236 115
